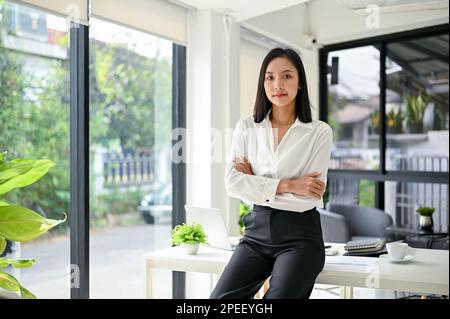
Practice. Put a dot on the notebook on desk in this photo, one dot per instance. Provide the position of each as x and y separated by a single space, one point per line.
366 253
365 247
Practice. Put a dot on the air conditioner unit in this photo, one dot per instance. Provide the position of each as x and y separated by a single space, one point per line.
393 6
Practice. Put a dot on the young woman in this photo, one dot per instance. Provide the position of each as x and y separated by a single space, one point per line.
279 161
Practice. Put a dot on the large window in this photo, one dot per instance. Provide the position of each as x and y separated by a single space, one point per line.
417 108
402 200
351 191
34 123
353 104
130 143
387 101
116 86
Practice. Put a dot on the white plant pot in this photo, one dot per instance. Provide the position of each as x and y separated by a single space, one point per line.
190 249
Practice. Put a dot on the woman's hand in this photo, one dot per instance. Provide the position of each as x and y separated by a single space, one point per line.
242 165
307 185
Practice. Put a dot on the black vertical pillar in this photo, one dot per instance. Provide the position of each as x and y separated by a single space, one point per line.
179 169
379 185
79 160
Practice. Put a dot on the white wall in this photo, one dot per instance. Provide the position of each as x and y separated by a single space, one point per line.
286 24
198 112
212 110
251 56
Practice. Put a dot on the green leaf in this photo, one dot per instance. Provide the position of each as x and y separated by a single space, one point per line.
26 293
22 224
22 263
22 172
17 263
2 156
2 203
10 283
4 262
2 244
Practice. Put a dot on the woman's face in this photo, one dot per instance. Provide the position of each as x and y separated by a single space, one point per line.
281 82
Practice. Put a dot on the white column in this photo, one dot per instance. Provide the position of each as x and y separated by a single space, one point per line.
212 108
198 113
212 111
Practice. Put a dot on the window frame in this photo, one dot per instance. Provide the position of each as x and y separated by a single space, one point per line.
381 175
79 157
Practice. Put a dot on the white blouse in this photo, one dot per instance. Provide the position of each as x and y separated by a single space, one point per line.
305 148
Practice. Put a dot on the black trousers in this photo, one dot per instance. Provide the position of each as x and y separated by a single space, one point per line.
288 246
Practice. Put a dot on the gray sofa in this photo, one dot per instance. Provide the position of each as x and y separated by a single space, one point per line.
342 222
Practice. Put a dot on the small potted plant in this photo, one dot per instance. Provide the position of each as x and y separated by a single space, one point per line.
426 219
394 121
415 109
190 236
375 122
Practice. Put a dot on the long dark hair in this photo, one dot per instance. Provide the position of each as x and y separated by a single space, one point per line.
302 103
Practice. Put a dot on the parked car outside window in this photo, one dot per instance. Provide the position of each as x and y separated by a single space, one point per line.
157 203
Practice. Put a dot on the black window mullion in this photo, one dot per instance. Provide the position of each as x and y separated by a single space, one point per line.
178 169
396 176
323 85
79 160
379 188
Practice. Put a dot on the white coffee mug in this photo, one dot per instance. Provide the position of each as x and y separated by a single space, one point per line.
397 251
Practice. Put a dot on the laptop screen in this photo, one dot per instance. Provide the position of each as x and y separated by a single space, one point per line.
213 224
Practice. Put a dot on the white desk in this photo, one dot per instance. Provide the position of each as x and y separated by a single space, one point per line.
427 273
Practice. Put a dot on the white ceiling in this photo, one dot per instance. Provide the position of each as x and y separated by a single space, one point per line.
242 9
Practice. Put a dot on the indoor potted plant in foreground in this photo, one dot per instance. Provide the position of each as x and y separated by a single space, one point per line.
426 219
190 236
18 223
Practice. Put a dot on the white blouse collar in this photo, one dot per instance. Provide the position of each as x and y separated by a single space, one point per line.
297 122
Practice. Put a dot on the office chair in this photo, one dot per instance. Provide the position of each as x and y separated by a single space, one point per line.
342 223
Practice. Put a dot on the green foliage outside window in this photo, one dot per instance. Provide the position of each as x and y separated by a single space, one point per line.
125 90
366 193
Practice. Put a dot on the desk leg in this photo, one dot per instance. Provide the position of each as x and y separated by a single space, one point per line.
346 292
148 281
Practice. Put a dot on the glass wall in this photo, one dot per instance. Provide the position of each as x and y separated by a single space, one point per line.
353 107
351 191
416 87
417 109
402 200
130 141
34 123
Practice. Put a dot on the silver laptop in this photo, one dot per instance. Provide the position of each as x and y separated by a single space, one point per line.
213 224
